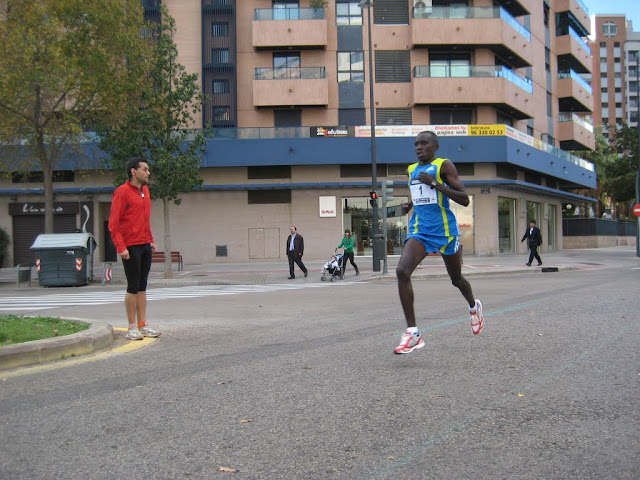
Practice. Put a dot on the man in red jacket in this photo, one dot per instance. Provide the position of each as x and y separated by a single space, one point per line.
130 227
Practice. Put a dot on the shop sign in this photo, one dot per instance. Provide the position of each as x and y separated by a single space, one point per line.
37 208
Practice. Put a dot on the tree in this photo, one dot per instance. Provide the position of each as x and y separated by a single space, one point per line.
65 64
620 171
160 130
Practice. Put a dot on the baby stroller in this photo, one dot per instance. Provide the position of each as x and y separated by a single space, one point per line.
333 268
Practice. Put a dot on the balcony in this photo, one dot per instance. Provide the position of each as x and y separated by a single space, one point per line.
573 52
575 133
474 85
478 27
291 87
578 9
289 27
574 94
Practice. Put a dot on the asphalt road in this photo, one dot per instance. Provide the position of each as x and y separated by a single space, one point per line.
302 384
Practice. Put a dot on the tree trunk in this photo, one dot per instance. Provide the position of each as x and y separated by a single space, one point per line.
168 268
47 173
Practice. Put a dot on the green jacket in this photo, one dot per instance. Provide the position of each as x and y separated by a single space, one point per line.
347 243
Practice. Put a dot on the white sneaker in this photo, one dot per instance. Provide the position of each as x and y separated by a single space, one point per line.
149 332
477 319
408 343
134 334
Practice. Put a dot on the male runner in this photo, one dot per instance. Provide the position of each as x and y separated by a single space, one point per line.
130 227
432 228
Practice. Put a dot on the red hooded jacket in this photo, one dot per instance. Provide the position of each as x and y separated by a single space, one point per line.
130 219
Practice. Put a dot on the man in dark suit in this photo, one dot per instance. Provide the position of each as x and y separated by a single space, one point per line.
535 240
295 250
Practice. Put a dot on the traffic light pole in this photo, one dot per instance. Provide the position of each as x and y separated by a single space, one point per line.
375 228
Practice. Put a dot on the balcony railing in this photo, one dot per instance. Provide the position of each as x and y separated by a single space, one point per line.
572 117
571 74
579 39
289 14
471 12
460 71
584 7
305 73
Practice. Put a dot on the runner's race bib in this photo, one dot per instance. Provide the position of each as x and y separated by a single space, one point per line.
422 194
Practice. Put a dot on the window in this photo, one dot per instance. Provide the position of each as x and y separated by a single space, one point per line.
220 55
285 65
221 86
450 65
351 116
451 116
393 116
261 197
220 29
609 29
221 114
393 66
348 13
351 67
38 176
286 11
287 118
547 61
268 172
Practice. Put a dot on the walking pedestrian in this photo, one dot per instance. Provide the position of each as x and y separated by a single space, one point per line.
130 227
347 244
432 228
535 240
295 250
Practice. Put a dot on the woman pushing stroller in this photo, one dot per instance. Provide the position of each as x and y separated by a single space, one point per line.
347 244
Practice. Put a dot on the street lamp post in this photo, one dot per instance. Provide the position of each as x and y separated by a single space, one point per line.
375 229
637 54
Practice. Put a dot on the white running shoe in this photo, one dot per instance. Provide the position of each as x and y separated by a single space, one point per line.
477 319
408 343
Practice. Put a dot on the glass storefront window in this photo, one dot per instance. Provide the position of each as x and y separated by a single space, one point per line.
464 215
551 227
506 225
357 216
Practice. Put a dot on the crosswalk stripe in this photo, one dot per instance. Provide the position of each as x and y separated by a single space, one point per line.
41 302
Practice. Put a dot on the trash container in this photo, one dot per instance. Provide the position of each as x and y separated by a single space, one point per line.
64 259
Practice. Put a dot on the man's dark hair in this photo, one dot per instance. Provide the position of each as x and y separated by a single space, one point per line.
433 135
532 221
134 163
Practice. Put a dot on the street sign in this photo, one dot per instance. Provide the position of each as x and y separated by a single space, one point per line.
636 210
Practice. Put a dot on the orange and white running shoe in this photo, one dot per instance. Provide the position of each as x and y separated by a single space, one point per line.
477 319
409 343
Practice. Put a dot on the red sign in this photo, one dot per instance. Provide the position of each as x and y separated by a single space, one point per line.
636 210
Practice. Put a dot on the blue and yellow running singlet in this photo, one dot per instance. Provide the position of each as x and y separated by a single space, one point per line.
432 216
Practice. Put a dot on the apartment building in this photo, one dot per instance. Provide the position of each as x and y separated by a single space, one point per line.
290 97
616 48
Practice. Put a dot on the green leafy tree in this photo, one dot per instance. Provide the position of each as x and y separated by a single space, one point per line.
65 64
620 170
160 129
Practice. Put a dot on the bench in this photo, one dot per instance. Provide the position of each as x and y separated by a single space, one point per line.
158 257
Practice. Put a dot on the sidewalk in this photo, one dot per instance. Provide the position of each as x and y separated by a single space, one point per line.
275 272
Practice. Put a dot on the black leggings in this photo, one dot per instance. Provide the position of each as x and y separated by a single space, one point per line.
348 256
137 267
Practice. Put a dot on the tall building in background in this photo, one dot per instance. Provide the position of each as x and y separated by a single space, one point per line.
615 71
288 94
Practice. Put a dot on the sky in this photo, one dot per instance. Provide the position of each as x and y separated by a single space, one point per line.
630 8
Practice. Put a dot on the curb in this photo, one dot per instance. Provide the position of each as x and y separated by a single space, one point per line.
97 337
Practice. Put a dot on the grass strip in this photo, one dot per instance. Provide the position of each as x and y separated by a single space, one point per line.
18 329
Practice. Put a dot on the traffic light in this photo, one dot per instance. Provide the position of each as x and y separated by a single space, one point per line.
373 195
387 191
373 199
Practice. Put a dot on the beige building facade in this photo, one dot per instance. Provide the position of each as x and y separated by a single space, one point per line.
289 100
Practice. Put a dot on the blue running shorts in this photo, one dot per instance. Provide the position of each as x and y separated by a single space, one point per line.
443 245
